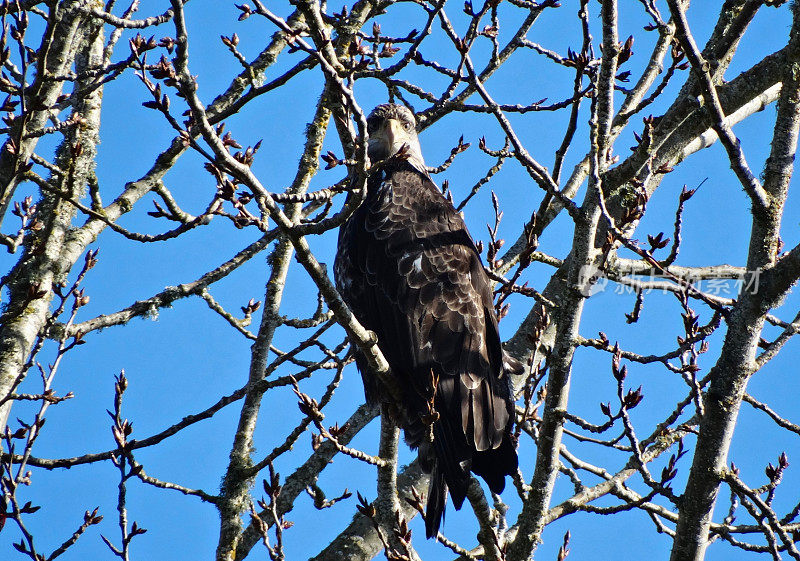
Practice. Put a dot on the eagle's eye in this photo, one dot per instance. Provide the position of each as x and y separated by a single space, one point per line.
407 126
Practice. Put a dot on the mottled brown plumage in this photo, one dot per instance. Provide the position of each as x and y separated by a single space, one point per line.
410 272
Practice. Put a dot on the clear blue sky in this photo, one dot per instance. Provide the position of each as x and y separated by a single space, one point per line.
185 359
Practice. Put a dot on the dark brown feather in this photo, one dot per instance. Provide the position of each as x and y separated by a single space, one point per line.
410 272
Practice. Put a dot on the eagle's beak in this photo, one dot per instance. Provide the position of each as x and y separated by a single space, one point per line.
394 132
385 141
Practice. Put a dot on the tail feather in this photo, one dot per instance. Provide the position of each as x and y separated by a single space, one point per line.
485 447
493 465
453 454
437 501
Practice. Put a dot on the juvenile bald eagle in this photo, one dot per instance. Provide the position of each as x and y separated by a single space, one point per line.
410 272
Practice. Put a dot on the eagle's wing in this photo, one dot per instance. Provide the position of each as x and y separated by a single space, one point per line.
410 272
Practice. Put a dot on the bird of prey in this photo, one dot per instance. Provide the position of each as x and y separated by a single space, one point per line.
410 272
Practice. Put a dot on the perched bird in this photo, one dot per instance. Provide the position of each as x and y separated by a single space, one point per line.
410 272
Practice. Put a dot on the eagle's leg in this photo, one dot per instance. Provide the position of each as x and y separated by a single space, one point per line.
431 415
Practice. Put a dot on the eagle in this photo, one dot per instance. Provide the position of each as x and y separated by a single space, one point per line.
410 272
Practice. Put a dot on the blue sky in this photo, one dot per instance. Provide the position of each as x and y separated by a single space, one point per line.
183 360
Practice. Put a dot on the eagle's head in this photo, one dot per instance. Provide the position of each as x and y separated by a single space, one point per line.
390 127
